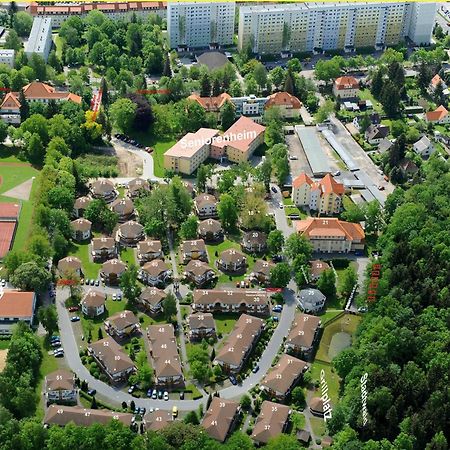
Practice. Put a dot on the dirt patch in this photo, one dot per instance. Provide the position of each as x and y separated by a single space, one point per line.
3 354
21 192
130 165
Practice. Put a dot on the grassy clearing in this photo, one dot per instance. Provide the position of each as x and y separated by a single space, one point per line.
365 94
225 322
340 275
298 422
4 344
81 251
13 175
147 320
127 255
318 426
159 147
328 315
331 378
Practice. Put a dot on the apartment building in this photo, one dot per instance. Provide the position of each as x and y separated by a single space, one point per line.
191 151
40 40
303 335
200 25
124 208
199 273
16 306
201 326
81 229
239 344
210 230
104 190
137 186
111 358
93 303
122 324
130 233
103 248
151 299
315 27
193 250
157 419
205 206
271 421
69 265
332 235
155 273
80 205
284 376
115 11
164 352
346 88
62 415
232 261
324 196
261 271
238 300
112 270
149 250
60 387
221 417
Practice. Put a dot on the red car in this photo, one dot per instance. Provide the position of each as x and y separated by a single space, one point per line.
73 308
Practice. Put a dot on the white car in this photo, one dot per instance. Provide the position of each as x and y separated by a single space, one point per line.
281 205
3 283
166 396
293 158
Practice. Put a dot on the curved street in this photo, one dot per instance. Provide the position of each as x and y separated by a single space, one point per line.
115 397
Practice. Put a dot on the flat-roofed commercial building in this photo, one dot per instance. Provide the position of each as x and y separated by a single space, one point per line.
317 158
40 40
200 24
316 27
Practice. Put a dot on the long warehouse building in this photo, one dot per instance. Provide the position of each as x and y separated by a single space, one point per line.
316 27
317 158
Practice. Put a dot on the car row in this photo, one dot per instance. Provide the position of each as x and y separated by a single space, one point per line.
277 308
157 394
91 282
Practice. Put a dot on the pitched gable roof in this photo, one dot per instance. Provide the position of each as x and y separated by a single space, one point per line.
438 114
283 99
301 180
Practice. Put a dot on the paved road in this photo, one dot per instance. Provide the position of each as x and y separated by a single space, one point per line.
442 20
111 395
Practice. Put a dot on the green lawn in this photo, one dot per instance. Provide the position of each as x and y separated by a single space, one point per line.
59 41
4 344
365 94
318 426
81 251
147 320
127 255
328 315
225 322
298 422
340 275
11 176
159 147
331 378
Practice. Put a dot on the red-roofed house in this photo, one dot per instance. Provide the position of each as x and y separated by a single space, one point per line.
35 91
435 81
210 104
345 87
240 140
439 116
288 105
324 196
332 235
16 306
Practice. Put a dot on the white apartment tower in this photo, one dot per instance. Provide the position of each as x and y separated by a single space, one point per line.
40 40
314 27
200 25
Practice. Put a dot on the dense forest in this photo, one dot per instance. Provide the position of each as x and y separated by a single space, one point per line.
403 341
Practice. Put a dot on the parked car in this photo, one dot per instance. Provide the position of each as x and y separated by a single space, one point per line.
174 412
56 344
119 297
275 318
149 393
281 205
131 389
166 396
92 392
181 395
154 395
273 189
59 355
55 337
277 308
362 309
293 158
114 297
75 319
233 380
255 369
92 282
73 308
97 282
160 394
3 283
87 281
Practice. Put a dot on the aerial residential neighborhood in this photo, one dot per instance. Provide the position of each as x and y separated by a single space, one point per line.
224 225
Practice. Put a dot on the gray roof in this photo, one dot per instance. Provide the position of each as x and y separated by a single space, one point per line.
311 299
341 151
422 144
213 60
385 145
42 27
377 132
317 158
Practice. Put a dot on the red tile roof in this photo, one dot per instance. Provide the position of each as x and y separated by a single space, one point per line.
244 126
283 99
329 185
9 210
301 180
331 226
16 304
342 83
438 114
212 104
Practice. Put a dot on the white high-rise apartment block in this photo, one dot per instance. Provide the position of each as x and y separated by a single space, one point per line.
197 25
40 40
314 27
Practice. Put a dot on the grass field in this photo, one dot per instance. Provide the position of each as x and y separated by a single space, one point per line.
12 175
225 322
346 324
318 426
4 344
127 255
331 378
81 251
365 94
159 147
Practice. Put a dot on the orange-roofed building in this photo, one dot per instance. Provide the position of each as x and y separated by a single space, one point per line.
331 235
324 196
240 140
34 92
15 306
439 116
288 105
210 104
345 87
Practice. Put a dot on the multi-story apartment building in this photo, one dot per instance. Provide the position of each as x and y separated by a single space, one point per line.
7 57
40 41
16 306
221 417
60 387
200 24
115 11
324 196
303 335
315 27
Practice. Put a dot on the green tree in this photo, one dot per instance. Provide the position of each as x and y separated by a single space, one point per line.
277 76
260 75
227 115
202 178
275 241
191 418
274 134
298 397
327 70
349 279
246 402
283 441
294 65
325 111
390 99
205 84
24 107
35 150
123 112
227 211
48 318
377 83
280 275
30 276
169 307
297 245
189 227
12 41
327 283
289 85
129 285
